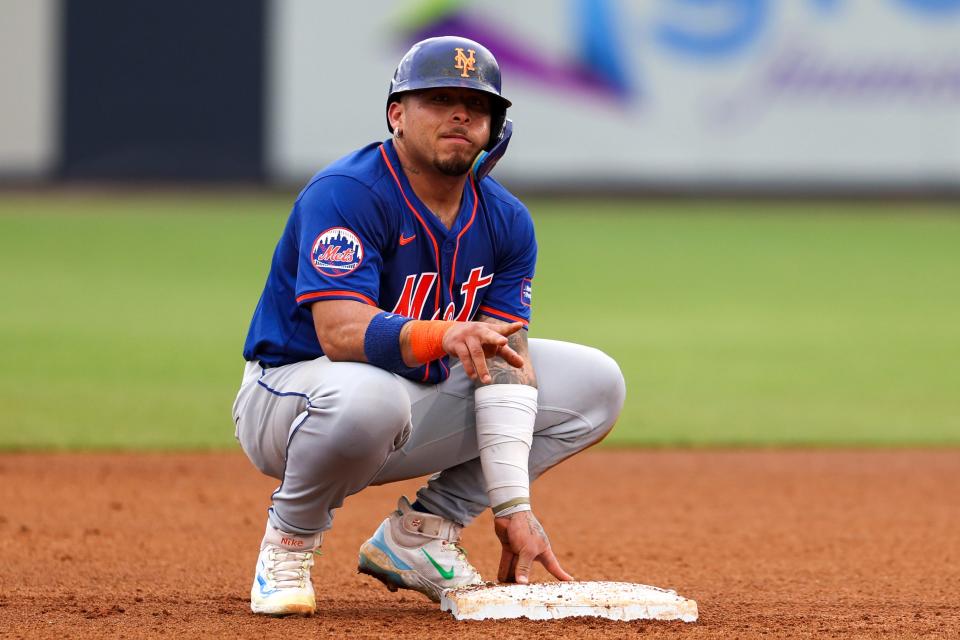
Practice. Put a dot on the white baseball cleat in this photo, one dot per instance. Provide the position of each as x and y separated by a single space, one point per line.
281 585
419 551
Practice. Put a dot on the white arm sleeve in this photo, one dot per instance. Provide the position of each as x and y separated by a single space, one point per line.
505 415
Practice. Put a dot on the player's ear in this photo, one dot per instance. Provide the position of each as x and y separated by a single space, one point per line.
395 115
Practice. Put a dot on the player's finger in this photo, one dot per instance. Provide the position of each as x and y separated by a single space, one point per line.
507 560
464 355
479 360
507 329
524 563
491 342
511 357
493 338
551 564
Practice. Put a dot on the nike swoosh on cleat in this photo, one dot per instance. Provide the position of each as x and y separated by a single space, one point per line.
405 241
446 574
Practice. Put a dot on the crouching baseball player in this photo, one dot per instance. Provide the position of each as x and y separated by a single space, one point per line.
390 342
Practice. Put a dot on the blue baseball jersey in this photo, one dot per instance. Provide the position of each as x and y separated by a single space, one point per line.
357 231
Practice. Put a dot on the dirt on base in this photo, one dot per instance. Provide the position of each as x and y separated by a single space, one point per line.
771 544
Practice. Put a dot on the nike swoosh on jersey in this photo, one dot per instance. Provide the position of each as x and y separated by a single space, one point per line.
406 240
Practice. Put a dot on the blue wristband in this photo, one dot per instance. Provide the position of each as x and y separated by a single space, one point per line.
381 342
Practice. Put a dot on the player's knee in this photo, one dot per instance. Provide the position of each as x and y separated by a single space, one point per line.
371 416
606 391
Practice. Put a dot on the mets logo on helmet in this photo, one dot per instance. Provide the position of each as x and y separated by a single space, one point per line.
336 252
465 63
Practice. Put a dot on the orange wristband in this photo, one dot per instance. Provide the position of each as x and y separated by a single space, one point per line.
426 339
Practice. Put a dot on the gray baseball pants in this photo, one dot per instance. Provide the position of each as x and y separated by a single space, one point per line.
327 430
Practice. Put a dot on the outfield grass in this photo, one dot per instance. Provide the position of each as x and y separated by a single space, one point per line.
747 324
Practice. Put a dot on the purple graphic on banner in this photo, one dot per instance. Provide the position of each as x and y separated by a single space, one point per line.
705 32
597 71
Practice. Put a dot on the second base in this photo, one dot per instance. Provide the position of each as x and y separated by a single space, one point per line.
546 601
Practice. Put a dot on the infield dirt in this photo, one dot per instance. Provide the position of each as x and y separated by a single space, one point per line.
795 544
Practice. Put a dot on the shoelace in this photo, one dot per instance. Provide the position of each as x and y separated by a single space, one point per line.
289 568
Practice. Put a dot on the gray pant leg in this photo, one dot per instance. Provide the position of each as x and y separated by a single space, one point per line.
329 429
581 393
324 429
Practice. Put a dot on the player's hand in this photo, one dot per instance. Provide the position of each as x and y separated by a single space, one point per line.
524 541
474 342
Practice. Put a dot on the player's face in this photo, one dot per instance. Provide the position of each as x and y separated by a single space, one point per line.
446 127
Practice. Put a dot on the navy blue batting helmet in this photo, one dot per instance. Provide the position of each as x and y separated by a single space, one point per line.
451 61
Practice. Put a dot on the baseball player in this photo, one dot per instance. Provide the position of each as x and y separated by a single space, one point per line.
390 342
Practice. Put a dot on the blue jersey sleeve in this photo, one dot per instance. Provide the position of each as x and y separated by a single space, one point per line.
509 297
342 228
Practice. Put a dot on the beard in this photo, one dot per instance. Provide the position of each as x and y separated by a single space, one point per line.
456 164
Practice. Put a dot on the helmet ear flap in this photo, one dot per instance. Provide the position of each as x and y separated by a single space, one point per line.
498 120
486 160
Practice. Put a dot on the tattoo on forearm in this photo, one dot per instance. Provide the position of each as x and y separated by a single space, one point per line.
503 373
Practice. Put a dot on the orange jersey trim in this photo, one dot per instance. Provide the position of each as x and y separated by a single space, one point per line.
436 249
491 310
335 293
473 214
